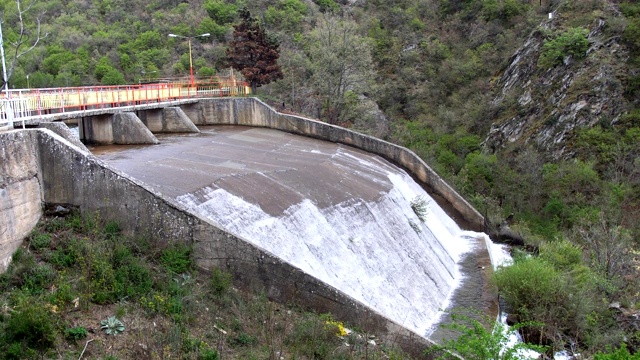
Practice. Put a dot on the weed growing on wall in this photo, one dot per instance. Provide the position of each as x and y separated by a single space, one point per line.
420 206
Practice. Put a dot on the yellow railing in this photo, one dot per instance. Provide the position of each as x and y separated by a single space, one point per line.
19 104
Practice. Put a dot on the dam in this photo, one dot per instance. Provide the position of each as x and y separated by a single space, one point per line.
337 213
323 220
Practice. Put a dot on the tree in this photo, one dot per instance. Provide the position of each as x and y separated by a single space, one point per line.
21 34
341 62
253 52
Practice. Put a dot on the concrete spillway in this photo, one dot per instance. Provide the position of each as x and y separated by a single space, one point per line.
339 214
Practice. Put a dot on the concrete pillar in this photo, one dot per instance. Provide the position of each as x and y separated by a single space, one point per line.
119 128
194 112
152 118
167 120
175 120
63 130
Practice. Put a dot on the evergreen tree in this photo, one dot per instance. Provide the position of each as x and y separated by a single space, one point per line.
253 52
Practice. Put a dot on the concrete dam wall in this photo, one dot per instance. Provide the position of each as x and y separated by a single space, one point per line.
253 112
60 173
56 171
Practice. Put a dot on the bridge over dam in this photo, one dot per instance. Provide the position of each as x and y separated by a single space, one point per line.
322 220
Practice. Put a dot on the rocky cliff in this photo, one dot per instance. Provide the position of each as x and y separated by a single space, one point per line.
544 107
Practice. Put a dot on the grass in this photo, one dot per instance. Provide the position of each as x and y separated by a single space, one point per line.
73 273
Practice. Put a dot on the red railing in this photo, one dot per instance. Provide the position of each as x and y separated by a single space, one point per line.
17 105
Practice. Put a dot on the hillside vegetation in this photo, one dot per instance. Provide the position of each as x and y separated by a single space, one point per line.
79 289
532 118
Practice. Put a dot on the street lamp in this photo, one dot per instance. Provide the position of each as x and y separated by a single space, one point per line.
190 57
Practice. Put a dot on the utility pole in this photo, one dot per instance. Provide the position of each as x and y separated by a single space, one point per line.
8 108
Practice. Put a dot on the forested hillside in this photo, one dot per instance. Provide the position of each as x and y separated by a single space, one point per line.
529 108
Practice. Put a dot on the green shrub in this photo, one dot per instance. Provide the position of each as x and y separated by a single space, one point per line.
102 281
67 253
74 222
22 262
220 11
531 285
55 224
619 354
311 338
573 42
220 281
631 34
327 5
242 339
39 278
558 290
501 9
111 229
64 294
632 119
474 340
32 325
208 354
132 280
39 241
75 333
562 254
177 258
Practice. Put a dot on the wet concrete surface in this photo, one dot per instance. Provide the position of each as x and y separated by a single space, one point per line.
269 168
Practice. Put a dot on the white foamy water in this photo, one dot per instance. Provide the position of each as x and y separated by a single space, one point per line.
368 250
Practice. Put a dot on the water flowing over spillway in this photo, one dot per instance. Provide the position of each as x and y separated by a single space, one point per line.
339 214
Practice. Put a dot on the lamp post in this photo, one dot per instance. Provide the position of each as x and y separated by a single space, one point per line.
190 57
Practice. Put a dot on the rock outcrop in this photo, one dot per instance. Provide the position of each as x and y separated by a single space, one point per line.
544 108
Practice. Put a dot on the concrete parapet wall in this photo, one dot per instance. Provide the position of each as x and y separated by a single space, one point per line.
20 194
253 112
72 177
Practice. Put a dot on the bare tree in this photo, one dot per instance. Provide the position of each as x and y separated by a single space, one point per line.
341 62
609 246
26 39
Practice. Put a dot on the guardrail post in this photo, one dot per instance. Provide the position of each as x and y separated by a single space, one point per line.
62 98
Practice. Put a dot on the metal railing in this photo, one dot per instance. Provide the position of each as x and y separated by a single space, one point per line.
16 105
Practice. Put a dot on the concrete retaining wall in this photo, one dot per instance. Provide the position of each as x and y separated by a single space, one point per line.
72 177
253 112
20 194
